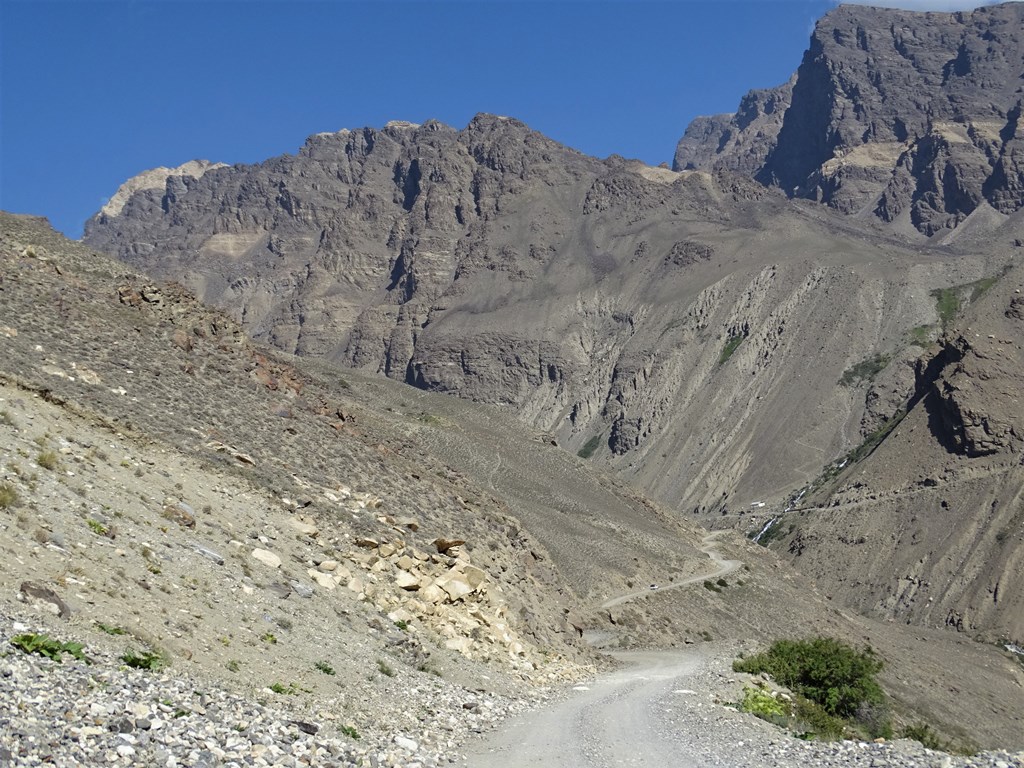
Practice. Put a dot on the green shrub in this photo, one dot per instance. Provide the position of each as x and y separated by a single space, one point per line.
349 731
44 645
710 586
324 667
925 736
589 447
865 370
149 660
825 670
731 345
384 668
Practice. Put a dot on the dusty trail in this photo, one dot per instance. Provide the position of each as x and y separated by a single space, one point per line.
722 567
613 722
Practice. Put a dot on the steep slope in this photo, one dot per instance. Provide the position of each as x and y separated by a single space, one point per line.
912 118
664 318
180 449
929 528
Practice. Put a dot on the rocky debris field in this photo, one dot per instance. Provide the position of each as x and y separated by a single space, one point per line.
98 710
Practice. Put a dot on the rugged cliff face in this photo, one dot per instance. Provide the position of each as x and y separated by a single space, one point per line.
911 118
930 527
669 318
712 340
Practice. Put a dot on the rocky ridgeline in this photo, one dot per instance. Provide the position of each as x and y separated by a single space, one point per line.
912 118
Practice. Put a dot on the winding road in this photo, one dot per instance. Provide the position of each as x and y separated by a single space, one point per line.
615 720
722 566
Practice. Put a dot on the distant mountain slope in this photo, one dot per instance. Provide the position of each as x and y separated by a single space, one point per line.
913 118
930 527
667 317
262 518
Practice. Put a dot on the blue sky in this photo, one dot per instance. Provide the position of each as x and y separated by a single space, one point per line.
94 91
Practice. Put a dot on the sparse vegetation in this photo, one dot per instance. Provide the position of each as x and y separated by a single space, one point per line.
865 370
590 447
711 586
760 703
835 678
349 731
947 304
152 661
286 690
8 496
384 668
48 460
731 345
920 334
97 527
7 419
44 645
324 667
233 665
402 624
109 629
268 638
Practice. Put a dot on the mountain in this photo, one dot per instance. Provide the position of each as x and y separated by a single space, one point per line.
910 118
714 335
929 528
316 548
666 316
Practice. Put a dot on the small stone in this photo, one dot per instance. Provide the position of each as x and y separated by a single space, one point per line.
267 557
302 590
406 743
209 554
124 750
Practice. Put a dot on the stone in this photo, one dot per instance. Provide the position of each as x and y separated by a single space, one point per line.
209 554
44 598
456 587
324 580
267 557
302 590
406 743
304 527
407 581
443 545
180 513
328 565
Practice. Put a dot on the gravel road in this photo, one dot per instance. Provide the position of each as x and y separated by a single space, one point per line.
605 724
668 709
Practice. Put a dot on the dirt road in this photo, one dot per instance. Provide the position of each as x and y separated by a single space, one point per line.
722 567
615 721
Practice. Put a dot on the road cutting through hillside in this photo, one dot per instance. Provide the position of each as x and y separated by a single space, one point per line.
723 567
614 721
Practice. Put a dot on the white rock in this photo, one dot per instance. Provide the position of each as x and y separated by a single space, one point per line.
406 743
267 557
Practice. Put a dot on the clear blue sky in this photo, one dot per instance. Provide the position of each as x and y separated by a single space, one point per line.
94 91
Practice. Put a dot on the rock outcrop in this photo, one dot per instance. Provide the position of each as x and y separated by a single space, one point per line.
910 117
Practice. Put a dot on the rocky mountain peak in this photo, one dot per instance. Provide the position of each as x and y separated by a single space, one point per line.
910 117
